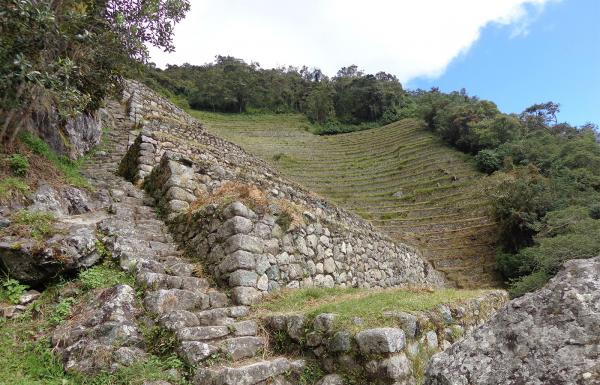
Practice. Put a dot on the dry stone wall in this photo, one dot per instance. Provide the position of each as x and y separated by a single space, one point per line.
143 104
395 354
263 233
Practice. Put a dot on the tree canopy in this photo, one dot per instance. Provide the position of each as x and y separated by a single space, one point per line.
63 56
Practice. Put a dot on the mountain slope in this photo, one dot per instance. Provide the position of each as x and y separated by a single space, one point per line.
400 177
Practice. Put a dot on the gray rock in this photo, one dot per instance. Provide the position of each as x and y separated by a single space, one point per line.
407 321
235 225
340 342
243 295
331 379
546 337
243 278
324 322
329 265
241 347
238 260
77 201
194 352
295 326
238 208
243 242
380 340
92 339
164 301
71 250
432 340
46 198
396 367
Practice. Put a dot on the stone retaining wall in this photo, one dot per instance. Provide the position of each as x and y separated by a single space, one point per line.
276 234
255 252
143 104
386 355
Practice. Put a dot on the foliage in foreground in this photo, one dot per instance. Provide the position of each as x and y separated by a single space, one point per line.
53 54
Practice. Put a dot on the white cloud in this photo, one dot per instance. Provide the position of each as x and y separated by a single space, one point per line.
408 38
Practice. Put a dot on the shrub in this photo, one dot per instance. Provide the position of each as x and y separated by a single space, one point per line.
595 211
488 161
12 290
19 165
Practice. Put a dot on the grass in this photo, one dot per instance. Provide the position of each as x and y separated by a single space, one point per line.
368 305
38 225
70 169
362 171
12 187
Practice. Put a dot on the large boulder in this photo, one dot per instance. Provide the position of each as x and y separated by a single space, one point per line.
103 333
72 248
73 136
551 336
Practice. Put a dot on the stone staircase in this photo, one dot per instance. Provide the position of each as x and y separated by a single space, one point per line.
212 336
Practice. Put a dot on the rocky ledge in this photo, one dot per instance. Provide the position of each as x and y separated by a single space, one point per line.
551 336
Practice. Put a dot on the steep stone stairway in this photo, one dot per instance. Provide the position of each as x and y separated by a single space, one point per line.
222 349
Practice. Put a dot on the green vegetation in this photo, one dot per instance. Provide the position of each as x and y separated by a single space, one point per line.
401 177
19 164
12 187
26 356
53 54
69 168
547 180
35 224
369 305
104 275
350 101
11 290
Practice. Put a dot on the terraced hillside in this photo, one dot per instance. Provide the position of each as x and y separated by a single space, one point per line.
400 177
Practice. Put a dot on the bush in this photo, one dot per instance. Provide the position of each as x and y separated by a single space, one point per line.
488 161
19 165
595 211
11 290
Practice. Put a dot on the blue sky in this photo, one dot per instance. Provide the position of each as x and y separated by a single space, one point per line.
558 59
513 52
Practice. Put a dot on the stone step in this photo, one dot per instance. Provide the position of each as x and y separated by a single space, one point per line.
247 328
156 281
252 373
221 316
231 349
164 301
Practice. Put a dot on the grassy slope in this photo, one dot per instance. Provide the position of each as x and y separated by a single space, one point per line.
442 210
369 305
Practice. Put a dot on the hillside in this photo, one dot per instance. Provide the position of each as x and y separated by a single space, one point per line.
400 177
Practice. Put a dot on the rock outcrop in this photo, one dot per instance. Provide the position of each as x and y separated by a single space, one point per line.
551 336
103 334
72 248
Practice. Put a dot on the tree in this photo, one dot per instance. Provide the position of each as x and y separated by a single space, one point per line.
61 57
319 103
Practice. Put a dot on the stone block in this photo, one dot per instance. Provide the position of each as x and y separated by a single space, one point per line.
243 242
381 340
243 278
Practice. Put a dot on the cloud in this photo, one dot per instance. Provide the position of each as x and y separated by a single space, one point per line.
407 38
